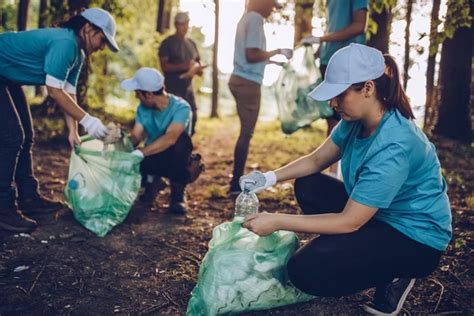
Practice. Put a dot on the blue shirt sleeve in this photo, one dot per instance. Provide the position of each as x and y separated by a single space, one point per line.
381 177
60 59
181 116
254 33
75 71
359 5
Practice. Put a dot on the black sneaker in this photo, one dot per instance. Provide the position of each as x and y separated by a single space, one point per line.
39 205
13 220
152 189
178 198
389 299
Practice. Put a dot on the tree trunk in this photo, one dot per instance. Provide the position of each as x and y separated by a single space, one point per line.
383 20
22 19
430 69
303 17
215 69
454 117
163 22
406 64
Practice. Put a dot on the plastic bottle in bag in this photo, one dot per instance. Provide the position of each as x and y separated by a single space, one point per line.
245 204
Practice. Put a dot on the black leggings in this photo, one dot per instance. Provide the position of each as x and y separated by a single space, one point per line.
337 265
172 162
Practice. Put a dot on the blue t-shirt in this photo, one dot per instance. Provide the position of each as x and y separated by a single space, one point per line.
156 123
339 16
28 57
397 171
250 34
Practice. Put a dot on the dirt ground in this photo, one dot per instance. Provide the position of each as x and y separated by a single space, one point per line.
148 265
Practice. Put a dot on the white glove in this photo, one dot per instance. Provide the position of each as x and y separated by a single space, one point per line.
310 40
138 153
94 126
256 181
287 52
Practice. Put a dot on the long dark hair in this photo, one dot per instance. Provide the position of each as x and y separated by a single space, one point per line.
76 23
389 90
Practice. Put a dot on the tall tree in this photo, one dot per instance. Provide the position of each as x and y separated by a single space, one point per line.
454 117
42 17
380 21
303 17
215 69
430 68
406 63
22 19
163 22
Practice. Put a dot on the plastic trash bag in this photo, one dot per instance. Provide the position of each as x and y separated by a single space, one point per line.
103 183
244 272
298 78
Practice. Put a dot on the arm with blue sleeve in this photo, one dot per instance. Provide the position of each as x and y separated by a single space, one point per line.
254 52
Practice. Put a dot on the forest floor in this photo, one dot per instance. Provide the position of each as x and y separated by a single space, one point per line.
149 264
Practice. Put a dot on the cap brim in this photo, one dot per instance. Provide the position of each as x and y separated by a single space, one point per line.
129 84
326 91
111 43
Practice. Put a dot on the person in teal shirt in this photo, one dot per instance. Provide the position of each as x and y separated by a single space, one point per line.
51 57
163 120
346 24
389 222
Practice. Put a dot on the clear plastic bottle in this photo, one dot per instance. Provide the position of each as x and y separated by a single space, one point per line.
245 204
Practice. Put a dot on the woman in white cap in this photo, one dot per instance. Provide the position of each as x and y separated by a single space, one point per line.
51 57
390 220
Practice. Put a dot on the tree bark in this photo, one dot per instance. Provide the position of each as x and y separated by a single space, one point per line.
430 68
42 15
454 117
163 22
383 20
22 19
406 64
215 69
303 17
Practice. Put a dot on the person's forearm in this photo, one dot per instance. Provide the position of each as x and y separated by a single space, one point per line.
169 67
159 145
328 224
257 55
301 167
344 34
67 103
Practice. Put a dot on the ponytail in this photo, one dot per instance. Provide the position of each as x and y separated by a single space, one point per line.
389 90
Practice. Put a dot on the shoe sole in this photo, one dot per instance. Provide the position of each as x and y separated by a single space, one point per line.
373 311
16 229
43 211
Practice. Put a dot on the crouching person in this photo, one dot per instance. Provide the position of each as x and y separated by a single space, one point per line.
163 120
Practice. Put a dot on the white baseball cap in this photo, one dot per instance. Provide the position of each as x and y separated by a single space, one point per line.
181 17
146 79
103 20
352 64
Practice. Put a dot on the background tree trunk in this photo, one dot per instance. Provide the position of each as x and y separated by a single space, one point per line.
215 69
22 19
454 117
42 17
163 22
303 17
383 20
430 68
406 64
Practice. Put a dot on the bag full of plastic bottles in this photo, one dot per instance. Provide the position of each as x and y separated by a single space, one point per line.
243 272
103 182
296 80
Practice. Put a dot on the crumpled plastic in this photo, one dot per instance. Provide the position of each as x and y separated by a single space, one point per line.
243 272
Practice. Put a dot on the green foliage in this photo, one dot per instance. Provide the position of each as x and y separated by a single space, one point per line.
377 6
8 13
457 16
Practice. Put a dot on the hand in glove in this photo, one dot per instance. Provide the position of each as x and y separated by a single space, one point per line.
94 126
287 52
310 40
256 181
138 153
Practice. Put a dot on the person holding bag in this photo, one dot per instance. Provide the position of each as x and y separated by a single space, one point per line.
389 222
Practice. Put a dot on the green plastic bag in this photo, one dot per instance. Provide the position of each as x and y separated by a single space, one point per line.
244 272
103 183
297 79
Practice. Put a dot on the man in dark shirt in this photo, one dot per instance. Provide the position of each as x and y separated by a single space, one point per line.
180 61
